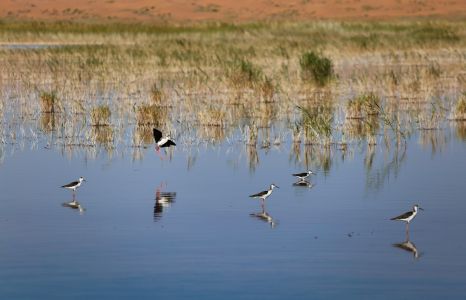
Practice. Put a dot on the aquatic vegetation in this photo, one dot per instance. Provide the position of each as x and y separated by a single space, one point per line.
459 112
151 114
49 102
156 95
267 89
234 77
317 123
212 117
100 115
363 106
245 74
316 67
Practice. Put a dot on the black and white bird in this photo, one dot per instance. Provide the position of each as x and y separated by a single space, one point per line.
408 216
264 194
74 185
161 141
303 175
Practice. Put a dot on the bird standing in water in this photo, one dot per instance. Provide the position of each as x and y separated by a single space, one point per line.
74 185
408 216
264 194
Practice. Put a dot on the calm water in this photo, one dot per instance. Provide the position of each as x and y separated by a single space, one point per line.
199 239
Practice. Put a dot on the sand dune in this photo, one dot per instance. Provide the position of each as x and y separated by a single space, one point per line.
230 11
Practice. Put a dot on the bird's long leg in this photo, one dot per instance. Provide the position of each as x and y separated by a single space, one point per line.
407 229
157 151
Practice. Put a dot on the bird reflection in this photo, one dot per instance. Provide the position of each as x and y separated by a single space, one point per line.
74 204
162 200
303 183
409 246
264 216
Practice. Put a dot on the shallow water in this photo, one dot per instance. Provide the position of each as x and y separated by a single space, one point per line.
185 227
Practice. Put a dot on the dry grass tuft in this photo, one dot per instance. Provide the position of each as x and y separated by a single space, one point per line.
49 102
363 106
151 115
100 115
460 109
49 122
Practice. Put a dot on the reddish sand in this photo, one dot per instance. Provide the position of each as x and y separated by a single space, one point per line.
228 11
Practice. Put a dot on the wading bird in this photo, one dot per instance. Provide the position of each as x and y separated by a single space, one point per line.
303 175
74 185
264 194
408 216
161 141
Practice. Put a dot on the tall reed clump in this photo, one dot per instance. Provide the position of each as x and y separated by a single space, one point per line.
317 123
316 67
100 115
151 115
49 102
103 136
365 109
460 109
363 106
48 122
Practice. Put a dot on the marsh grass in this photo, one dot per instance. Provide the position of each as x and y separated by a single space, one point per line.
103 136
317 123
461 130
151 115
212 117
363 106
49 102
316 67
49 122
245 74
156 95
100 115
142 135
267 89
459 112
252 76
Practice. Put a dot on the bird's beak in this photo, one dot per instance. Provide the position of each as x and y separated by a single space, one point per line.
421 208
277 187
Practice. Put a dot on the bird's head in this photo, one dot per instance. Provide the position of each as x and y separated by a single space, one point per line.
416 207
81 179
272 186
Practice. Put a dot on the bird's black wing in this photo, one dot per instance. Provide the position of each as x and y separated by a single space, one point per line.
299 174
258 194
157 135
170 143
70 184
403 216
